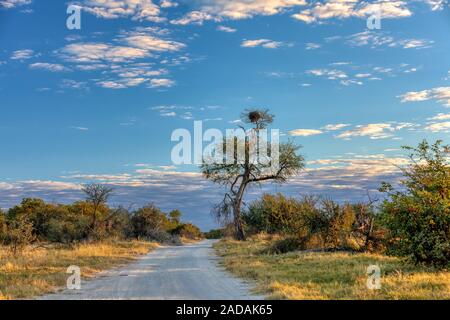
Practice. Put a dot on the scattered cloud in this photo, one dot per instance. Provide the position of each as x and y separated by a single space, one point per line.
161 83
80 128
439 127
73 84
440 94
304 132
9 4
139 10
219 10
377 39
24 54
342 9
441 116
226 29
264 43
335 127
375 130
52 67
312 46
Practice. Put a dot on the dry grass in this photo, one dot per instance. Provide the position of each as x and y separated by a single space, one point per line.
43 269
316 276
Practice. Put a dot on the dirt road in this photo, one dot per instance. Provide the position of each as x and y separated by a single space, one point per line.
184 272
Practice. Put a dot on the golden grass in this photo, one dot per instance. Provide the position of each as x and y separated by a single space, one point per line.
317 276
42 270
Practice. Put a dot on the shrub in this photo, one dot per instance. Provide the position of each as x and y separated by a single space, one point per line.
2 226
275 214
118 224
418 216
19 234
214 234
315 222
149 222
287 244
189 231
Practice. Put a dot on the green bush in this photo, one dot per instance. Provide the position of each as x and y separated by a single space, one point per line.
214 234
287 244
19 234
418 216
189 231
315 222
2 226
275 214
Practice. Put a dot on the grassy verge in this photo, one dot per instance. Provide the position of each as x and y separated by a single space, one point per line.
312 275
42 270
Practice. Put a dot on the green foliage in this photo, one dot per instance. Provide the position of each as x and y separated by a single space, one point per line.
149 220
287 244
189 231
418 216
2 226
49 222
238 171
19 234
214 234
275 214
315 223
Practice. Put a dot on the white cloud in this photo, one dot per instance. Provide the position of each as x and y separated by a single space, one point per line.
265 43
52 67
439 127
22 54
135 9
159 83
194 17
436 4
9 4
441 116
342 9
331 74
147 39
377 39
80 128
335 127
312 46
304 132
441 94
374 130
226 29
73 84
98 52
168 4
121 83
219 10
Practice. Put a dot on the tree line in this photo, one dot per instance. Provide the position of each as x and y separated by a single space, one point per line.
35 220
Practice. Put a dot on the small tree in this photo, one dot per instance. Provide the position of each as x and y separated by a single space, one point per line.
418 217
237 175
98 195
19 234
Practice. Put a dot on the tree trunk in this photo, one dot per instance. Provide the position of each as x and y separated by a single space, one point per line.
238 225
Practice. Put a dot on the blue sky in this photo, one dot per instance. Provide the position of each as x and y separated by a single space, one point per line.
100 103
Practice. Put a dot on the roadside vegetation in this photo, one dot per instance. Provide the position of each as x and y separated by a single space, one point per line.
314 247
39 240
320 275
41 268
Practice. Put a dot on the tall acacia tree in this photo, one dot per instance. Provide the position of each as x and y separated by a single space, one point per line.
239 174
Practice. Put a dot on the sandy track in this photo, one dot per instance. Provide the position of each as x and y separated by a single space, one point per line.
185 272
